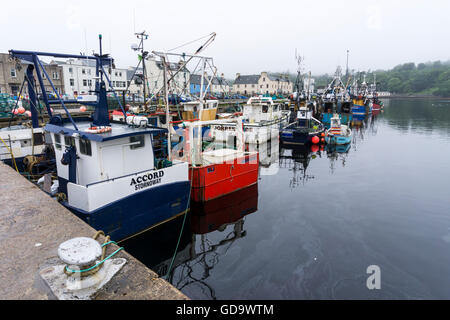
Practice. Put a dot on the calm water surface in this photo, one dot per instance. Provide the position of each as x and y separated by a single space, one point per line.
317 220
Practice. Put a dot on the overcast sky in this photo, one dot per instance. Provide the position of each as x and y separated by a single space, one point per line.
252 36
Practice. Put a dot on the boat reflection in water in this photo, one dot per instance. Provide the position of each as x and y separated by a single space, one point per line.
337 153
210 230
297 160
269 153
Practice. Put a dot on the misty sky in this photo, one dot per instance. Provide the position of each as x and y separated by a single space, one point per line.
252 36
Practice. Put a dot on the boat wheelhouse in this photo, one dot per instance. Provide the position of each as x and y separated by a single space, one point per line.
114 175
262 119
199 110
303 130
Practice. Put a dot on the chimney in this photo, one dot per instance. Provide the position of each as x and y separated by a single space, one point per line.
222 75
238 75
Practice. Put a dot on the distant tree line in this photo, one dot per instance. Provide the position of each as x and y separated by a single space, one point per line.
431 78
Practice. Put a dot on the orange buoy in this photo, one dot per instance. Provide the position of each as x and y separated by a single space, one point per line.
28 113
314 148
315 140
323 139
83 109
323 134
21 110
16 111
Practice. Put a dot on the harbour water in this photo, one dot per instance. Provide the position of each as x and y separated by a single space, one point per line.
312 233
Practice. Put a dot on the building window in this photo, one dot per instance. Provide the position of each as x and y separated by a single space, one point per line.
55 75
43 75
267 86
90 83
264 79
83 71
137 142
85 147
70 70
13 73
72 82
84 83
89 71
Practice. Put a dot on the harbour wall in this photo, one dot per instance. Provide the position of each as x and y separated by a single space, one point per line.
33 225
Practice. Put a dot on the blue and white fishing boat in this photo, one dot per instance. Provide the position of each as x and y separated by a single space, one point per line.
338 133
303 130
116 176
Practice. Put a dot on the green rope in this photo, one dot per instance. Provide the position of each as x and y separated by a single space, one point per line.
108 257
182 228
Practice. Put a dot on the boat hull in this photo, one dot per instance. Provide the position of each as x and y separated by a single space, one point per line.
359 112
138 212
215 180
253 134
338 140
295 137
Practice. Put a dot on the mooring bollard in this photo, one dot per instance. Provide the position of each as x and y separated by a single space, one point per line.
86 269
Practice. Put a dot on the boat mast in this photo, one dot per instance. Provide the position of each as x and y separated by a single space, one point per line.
166 98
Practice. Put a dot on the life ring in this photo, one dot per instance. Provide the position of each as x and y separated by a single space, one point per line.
99 129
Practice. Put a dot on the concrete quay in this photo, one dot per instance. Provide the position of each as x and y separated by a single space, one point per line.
32 225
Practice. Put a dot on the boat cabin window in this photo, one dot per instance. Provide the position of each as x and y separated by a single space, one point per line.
57 141
137 142
38 138
69 141
265 108
85 147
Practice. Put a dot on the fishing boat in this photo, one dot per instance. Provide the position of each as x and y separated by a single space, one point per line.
24 143
217 170
262 119
305 130
338 133
20 142
358 108
113 175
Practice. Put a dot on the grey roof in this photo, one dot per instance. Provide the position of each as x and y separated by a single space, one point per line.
195 79
277 78
250 79
220 81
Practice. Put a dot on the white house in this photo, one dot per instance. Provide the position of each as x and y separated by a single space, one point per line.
79 76
262 84
155 76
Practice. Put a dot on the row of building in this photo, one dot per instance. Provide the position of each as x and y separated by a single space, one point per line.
74 77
